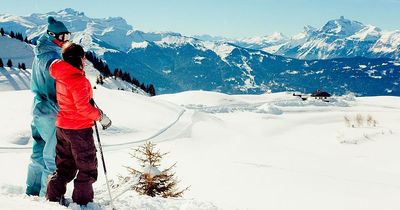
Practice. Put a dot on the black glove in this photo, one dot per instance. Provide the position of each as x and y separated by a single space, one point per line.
91 102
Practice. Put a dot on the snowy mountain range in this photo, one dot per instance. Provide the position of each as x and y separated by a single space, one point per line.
339 38
174 62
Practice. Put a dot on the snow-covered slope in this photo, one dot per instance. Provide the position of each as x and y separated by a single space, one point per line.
271 151
15 23
110 83
17 51
21 52
18 79
270 43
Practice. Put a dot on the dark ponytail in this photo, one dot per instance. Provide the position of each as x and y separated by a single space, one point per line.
73 53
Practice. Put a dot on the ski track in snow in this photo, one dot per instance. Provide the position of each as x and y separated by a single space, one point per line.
159 133
107 147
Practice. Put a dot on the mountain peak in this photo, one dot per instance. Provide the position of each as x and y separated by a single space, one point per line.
277 36
309 29
207 37
342 26
70 11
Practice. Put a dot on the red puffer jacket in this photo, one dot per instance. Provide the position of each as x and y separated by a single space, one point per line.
73 95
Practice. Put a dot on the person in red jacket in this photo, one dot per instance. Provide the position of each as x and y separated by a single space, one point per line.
75 150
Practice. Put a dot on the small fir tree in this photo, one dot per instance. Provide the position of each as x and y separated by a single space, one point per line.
135 82
12 35
151 90
9 63
115 73
19 37
2 31
152 181
1 63
143 87
23 66
106 71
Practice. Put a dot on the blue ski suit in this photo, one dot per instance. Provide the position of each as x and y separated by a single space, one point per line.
44 111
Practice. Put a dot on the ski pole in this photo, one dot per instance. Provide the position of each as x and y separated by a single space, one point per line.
104 165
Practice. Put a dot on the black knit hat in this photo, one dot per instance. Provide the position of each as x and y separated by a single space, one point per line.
73 54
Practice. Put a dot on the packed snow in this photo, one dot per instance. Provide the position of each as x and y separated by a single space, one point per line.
270 151
14 79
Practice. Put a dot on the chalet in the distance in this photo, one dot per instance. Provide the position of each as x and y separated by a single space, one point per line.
320 94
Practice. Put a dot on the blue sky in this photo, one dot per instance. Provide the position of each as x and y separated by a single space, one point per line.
229 18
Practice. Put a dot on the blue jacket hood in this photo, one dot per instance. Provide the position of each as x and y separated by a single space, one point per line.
45 45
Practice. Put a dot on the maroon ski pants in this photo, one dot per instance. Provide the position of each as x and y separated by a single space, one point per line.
75 153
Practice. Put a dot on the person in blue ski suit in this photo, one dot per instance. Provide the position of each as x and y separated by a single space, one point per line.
45 108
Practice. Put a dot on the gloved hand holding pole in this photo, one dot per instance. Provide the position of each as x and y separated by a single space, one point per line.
104 121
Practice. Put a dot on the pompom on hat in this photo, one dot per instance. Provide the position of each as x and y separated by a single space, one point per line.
57 27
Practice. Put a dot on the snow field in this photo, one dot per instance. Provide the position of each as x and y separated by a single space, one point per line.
270 151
